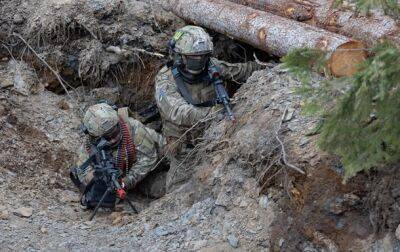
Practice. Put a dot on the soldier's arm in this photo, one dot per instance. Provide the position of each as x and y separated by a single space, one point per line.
237 72
173 106
146 141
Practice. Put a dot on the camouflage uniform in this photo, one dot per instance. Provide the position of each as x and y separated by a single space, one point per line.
178 115
149 145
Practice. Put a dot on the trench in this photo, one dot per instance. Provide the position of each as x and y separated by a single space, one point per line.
134 80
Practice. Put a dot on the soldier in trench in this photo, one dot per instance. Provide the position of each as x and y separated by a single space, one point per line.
136 148
185 95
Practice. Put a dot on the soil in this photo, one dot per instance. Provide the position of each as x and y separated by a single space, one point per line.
242 194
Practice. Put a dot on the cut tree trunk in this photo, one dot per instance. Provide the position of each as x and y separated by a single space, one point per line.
273 34
321 13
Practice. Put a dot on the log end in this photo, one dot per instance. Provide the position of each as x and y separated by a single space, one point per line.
345 59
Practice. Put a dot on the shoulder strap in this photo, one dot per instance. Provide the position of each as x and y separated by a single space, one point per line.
185 93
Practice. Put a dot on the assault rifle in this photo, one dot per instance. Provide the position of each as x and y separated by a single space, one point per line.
222 95
106 173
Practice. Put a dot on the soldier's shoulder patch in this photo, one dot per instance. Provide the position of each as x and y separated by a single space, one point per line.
177 35
161 94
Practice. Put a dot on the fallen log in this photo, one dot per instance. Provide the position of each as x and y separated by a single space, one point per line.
268 32
369 29
299 11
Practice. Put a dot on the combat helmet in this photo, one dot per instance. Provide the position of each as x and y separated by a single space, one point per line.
191 48
192 40
100 119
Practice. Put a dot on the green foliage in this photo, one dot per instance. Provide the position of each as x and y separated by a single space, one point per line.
361 113
390 7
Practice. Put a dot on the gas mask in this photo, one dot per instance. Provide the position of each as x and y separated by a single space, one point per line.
195 64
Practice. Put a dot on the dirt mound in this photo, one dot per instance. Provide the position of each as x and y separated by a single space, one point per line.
313 211
243 193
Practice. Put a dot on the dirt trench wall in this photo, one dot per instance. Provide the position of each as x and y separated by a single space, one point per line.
315 210
73 37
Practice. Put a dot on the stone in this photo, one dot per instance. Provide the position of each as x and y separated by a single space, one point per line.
264 201
398 232
44 230
281 241
161 231
25 212
289 115
244 203
23 77
304 141
117 221
223 200
116 218
18 19
4 215
233 241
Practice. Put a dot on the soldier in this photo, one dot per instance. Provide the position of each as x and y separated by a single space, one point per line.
184 94
136 148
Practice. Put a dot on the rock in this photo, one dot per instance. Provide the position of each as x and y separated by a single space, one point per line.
233 241
23 77
116 218
244 203
398 232
223 200
117 221
264 201
281 242
18 19
4 215
304 141
161 231
289 115
44 230
25 212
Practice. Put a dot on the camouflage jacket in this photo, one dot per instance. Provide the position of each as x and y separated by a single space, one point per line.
149 146
177 114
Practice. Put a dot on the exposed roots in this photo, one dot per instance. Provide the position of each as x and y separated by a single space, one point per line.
62 21
91 65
